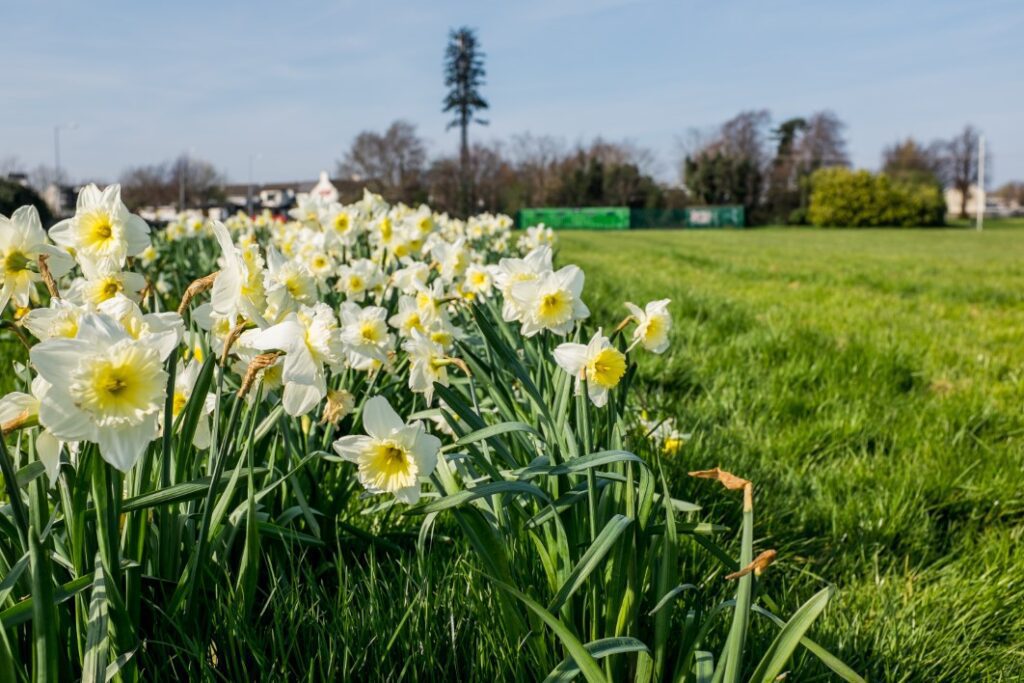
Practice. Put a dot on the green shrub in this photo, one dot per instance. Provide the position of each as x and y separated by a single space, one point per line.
13 195
860 199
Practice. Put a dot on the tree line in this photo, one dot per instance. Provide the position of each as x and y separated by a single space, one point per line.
750 160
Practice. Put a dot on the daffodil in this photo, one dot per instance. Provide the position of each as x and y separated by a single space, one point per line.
452 258
289 285
410 278
102 233
18 406
103 386
101 284
163 330
478 281
365 332
61 319
512 271
233 294
309 211
428 363
536 236
598 362
22 242
339 405
184 383
311 340
551 302
653 324
394 456
407 318
358 278
340 225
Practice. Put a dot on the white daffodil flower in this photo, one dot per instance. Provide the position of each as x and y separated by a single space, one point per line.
653 324
512 271
289 285
101 284
310 211
428 363
102 233
365 331
18 406
184 382
164 330
409 279
310 339
340 225
428 301
61 319
598 362
103 386
320 264
408 317
232 295
479 281
536 236
270 378
22 242
394 456
551 302
359 277
452 258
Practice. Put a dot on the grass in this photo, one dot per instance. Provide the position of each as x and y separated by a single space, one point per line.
870 383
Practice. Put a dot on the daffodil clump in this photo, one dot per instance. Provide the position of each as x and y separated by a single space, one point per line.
198 402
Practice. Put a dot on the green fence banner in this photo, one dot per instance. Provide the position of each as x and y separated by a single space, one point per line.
590 218
622 218
692 217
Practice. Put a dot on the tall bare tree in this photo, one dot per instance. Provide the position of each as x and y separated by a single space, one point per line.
187 181
536 160
393 162
961 162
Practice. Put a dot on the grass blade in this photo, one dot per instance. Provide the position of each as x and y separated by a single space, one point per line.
97 642
567 669
601 546
789 637
588 666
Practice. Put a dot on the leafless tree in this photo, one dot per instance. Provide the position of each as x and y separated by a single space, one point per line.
164 183
492 177
394 161
821 142
961 162
745 136
536 160
42 176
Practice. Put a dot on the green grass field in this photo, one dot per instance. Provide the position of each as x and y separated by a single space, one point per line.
870 383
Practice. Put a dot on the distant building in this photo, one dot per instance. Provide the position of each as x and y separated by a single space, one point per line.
995 205
279 197
61 198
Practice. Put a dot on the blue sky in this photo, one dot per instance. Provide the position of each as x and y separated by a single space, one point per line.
293 82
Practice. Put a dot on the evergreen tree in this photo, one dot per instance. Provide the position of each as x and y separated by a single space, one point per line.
464 74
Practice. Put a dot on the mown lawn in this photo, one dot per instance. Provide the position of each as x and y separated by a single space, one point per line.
870 383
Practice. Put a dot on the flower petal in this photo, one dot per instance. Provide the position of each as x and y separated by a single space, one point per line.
379 419
122 447
352 447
